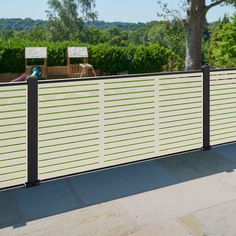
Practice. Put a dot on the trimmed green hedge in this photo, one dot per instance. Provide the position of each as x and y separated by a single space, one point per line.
108 59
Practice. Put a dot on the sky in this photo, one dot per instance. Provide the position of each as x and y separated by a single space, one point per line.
108 10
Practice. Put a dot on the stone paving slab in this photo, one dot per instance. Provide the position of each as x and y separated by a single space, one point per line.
192 194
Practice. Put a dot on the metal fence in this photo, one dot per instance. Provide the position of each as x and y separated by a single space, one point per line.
57 128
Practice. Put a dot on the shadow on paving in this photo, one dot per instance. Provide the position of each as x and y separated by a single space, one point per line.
22 205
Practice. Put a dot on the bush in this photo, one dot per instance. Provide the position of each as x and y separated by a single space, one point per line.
108 59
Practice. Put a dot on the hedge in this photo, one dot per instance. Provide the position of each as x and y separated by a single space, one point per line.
108 59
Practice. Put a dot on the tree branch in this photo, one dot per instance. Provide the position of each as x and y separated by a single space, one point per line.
214 4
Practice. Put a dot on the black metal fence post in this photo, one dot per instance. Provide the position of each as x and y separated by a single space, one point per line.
206 108
32 167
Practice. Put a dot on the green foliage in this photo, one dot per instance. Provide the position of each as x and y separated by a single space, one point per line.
109 59
18 24
220 51
64 19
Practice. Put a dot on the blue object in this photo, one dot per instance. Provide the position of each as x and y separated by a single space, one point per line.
36 71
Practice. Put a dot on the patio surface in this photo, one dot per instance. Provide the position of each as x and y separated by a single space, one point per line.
190 194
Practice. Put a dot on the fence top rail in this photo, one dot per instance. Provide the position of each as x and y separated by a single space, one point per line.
113 77
117 77
4 84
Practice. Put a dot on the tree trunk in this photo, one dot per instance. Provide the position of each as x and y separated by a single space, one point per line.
194 25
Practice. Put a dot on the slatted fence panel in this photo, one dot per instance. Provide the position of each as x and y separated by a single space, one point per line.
92 124
180 112
223 106
68 128
13 156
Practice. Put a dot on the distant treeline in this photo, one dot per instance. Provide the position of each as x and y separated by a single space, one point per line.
18 24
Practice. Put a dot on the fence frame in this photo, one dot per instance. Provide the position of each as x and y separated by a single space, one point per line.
32 107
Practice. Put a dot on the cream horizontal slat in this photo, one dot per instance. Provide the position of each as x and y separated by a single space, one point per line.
119 88
69 115
68 85
47 174
11 114
16 89
110 153
224 138
68 108
182 91
72 89
183 117
222 116
10 101
12 136
184 148
227 111
67 103
181 138
219 132
64 149
145 154
134 116
134 135
218 82
222 141
121 132
180 123
12 94
128 80
67 130
129 143
13 154
178 107
216 94
177 87
180 97
11 146
183 132
217 102
20 174
225 97
222 87
6 183
69 126
128 112
223 126
131 90
5 170
129 125
121 109
73 96
222 107
182 101
123 153
128 95
83 121
12 120
12 162
183 143
177 112
219 120
176 76
69 157
60 139
129 103
179 128
179 80
222 75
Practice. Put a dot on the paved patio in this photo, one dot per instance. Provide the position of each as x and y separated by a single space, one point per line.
190 194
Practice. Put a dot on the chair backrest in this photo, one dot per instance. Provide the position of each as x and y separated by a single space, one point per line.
77 52
36 53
